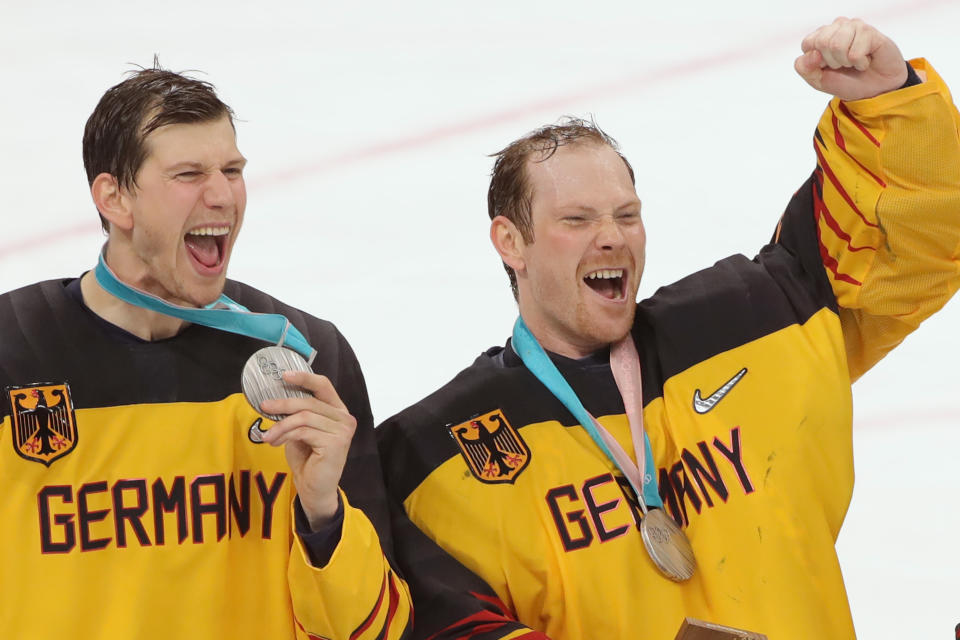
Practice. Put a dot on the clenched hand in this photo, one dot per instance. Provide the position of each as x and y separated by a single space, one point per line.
851 60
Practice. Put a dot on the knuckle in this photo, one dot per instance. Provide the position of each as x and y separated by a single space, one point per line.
349 423
303 417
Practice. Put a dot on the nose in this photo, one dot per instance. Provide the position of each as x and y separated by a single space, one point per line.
218 193
609 234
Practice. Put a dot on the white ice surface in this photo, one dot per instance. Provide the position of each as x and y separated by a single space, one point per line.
367 127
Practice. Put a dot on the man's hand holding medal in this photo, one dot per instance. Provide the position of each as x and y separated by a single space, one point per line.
316 432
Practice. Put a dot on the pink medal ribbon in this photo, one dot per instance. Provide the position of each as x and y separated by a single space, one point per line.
663 539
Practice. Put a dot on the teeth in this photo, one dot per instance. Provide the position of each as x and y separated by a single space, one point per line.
606 274
210 231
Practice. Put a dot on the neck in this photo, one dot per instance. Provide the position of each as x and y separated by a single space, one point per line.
557 343
143 323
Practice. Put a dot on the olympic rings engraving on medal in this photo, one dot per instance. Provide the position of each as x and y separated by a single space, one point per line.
667 546
262 377
270 368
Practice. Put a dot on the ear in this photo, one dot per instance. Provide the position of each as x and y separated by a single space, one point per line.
112 201
509 243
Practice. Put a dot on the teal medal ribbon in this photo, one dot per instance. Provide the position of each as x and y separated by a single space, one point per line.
542 367
223 314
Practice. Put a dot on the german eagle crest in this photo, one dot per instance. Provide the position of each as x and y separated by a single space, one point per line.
44 426
491 447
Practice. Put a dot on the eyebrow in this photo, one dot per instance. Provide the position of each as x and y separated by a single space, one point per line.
582 207
199 166
185 165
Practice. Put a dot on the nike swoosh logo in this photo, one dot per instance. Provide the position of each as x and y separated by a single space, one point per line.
255 433
701 405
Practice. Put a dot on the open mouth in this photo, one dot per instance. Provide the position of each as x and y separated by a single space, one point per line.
609 283
206 245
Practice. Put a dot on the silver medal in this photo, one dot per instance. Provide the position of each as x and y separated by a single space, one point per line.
262 377
667 545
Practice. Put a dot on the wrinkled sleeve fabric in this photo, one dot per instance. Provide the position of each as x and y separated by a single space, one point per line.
357 594
885 200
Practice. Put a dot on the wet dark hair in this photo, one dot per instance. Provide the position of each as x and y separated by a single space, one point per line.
510 195
114 139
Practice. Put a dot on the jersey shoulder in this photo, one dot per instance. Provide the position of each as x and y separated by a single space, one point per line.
486 376
322 335
729 304
417 440
33 312
312 327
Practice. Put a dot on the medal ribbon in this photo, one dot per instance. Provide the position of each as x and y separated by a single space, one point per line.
224 314
625 364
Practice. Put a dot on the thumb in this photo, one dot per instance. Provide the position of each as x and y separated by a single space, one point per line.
808 62
810 67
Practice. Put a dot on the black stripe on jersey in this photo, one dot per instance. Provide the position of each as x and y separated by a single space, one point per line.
715 310
497 632
391 607
448 597
363 626
737 300
48 336
485 625
495 381
799 237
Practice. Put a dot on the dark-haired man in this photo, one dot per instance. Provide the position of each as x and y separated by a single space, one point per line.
142 496
689 455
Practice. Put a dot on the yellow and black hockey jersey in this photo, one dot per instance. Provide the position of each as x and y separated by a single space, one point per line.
138 501
747 368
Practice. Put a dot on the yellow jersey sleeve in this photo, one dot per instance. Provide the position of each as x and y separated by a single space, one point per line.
361 594
888 212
